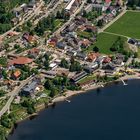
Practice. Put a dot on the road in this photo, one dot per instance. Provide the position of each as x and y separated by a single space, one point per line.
25 20
114 20
71 18
48 11
13 94
23 83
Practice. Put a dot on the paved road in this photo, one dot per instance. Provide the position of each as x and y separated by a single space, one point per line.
13 94
48 11
71 18
114 20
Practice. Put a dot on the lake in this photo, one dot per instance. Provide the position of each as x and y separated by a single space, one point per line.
112 113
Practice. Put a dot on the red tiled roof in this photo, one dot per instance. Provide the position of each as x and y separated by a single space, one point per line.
107 1
34 50
21 61
107 60
85 42
93 56
17 73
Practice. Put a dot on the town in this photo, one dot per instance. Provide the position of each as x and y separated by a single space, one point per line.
53 49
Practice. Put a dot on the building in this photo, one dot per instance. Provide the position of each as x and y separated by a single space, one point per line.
79 76
29 89
48 74
32 5
29 38
92 67
92 56
20 61
69 6
85 43
16 74
81 56
53 66
34 52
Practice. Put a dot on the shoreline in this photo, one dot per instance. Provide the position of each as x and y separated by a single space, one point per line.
71 94
91 87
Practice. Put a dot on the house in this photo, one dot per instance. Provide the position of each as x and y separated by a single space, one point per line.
85 43
90 28
107 60
71 53
61 45
80 20
34 52
53 66
91 68
109 66
32 5
120 56
92 56
134 42
79 76
106 5
71 4
16 74
62 72
29 38
118 62
52 42
12 33
29 89
72 34
81 56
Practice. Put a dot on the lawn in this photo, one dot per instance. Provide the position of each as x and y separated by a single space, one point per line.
84 34
3 61
128 25
88 78
104 42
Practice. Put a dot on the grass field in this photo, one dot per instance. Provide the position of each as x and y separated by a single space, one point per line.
128 25
104 42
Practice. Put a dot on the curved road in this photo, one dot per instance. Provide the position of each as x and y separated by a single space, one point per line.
13 94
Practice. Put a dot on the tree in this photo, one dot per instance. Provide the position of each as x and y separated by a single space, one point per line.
48 84
5 121
16 46
96 49
29 104
89 1
46 64
135 54
64 63
100 23
4 73
58 15
29 24
75 66
2 93
84 13
2 134
53 92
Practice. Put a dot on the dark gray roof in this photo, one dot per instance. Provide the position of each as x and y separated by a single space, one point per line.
30 87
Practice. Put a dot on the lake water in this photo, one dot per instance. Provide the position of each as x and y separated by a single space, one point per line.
113 113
